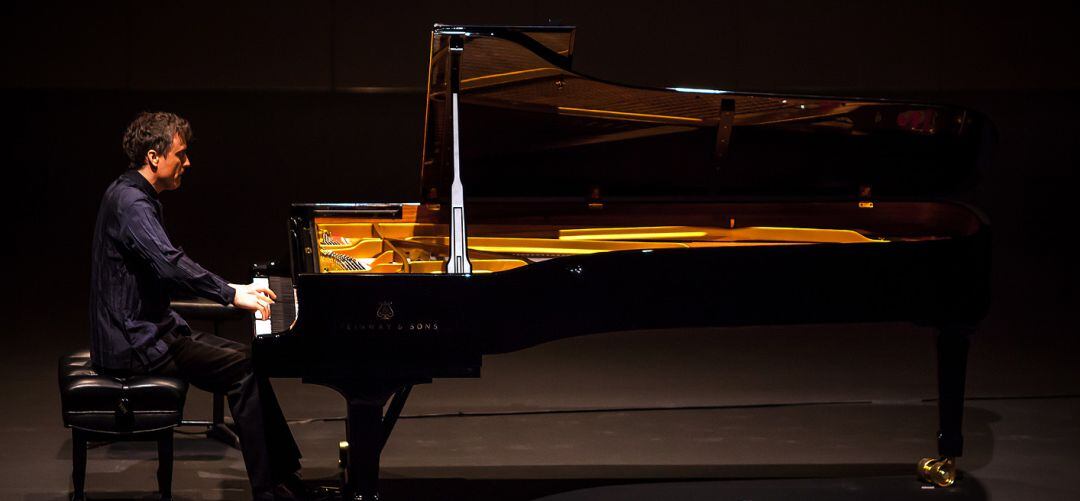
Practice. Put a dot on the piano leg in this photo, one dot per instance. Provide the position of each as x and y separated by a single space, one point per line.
366 431
952 351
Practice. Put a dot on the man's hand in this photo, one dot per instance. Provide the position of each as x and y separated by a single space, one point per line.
255 298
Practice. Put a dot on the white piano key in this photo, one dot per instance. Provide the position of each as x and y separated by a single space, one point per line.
262 326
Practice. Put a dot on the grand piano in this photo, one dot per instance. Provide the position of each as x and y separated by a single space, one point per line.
553 204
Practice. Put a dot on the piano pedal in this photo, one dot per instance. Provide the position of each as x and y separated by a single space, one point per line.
938 471
343 454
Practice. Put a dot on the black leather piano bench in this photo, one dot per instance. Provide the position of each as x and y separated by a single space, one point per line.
99 407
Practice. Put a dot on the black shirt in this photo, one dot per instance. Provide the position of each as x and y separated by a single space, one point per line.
133 269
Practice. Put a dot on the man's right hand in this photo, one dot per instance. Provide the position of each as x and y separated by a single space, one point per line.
255 298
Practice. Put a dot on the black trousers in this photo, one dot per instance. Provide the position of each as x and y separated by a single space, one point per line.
218 365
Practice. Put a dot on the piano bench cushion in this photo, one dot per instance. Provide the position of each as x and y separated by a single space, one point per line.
103 403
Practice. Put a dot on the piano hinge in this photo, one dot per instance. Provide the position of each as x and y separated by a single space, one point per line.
865 193
723 127
593 201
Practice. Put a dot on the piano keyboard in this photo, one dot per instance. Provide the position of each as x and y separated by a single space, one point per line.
283 311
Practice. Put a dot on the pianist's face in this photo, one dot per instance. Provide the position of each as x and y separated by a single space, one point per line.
172 166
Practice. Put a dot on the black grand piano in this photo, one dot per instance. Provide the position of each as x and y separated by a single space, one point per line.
555 205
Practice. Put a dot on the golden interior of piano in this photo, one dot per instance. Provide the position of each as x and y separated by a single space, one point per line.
356 246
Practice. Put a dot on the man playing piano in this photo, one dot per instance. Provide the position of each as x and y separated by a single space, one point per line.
135 266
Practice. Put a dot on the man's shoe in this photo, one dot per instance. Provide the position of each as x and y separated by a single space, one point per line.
296 486
291 488
281 492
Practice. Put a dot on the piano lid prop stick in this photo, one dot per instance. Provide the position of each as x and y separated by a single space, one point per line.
459 257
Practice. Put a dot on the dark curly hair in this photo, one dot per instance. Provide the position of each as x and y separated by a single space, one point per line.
153 131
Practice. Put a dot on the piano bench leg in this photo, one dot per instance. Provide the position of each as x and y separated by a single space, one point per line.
165 464
78 465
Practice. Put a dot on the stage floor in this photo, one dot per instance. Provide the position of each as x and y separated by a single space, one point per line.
823 412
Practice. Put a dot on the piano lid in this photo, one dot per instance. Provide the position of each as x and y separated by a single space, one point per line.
529 126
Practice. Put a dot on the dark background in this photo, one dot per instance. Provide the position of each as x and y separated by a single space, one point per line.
323 101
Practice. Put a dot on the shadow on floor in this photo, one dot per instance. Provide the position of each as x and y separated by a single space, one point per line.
184 449
682 482
883 482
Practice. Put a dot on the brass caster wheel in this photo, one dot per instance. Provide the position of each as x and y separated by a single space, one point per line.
343 454
938 471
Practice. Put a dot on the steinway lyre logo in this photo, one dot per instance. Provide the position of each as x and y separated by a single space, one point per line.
385 310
